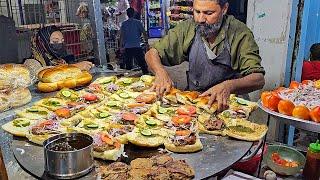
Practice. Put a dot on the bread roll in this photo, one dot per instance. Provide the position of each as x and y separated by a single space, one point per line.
64 76
14 98
19 97
14 76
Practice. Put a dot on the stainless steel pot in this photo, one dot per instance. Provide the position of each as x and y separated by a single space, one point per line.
66 163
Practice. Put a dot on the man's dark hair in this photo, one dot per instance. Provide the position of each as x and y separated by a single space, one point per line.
222 2
315 52
130 12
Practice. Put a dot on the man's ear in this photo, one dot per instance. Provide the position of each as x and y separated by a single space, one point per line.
225 8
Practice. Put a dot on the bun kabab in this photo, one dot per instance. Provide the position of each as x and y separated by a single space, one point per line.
118 111
63 76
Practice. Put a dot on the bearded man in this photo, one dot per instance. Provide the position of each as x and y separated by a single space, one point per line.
222 53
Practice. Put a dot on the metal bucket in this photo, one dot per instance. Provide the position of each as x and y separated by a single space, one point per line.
64 163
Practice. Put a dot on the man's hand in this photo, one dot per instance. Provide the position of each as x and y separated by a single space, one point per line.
220 93
84 65
162 83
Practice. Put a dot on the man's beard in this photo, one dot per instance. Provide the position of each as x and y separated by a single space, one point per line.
209 30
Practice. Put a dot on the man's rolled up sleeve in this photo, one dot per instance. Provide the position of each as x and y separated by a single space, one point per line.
170 47
249 60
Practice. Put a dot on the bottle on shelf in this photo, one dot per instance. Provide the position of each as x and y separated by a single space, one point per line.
311 170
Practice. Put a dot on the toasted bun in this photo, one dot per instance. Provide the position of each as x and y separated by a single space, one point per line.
64 76
33 115
14 76
183 149
4 103
84 79
145 141
47 87
59 73
52 108
14 130
203 130
259 130
19 97
111 155
38 139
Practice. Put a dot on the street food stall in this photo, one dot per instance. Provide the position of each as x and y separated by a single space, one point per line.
119 112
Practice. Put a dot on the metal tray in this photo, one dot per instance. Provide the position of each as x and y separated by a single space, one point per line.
218 154
296 122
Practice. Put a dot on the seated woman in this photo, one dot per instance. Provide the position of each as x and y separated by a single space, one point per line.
311 68
48 49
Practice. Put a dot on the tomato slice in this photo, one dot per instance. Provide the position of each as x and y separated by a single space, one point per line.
129 116
46 123
134 105
63 112
181 119
90 97
183 133
186 110
146 98
105 138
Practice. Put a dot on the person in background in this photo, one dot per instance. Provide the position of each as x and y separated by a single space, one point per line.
311 67
130 42
137 5
48 49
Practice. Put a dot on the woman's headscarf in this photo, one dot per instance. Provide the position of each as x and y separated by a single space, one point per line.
42 49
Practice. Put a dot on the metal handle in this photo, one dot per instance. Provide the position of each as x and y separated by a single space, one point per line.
253 153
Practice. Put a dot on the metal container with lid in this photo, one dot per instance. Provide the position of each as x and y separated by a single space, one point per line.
68 155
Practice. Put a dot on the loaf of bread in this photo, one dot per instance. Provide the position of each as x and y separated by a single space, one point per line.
63 76
14 76
14 98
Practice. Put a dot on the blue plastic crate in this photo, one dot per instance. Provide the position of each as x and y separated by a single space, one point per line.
155 32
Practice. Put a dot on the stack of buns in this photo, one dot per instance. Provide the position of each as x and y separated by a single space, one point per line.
14 82
62 76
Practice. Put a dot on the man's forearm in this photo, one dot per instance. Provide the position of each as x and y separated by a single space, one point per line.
247 84
153 60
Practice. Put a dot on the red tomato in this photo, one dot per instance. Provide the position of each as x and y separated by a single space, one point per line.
285 107
129 116
63 112
186 110
264 98
105 138
315 114
305 82
181 119
90 97
273 102
183 133
294 85
146 98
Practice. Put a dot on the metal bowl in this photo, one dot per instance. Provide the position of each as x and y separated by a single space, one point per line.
68 155
285 153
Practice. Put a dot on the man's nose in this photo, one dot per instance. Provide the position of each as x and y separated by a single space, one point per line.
202 18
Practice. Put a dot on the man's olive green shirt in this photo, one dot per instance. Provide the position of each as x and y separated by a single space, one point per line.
174 48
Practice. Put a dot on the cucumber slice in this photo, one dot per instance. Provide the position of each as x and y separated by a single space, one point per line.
242 102
32 109
162 110
104 115
21 122
66 93
151 122
111 103
124 95
146 132
127 81
92 126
